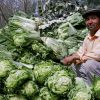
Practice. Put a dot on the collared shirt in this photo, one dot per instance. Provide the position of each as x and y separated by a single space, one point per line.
91 47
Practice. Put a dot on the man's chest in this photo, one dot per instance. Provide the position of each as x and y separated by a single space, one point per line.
92 44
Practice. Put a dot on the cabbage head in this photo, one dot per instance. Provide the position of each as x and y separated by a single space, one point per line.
5 67
60 82
40 50
16 78
96 88
80 91
29 89
82 95
4 53
46 94
43 70
19 40
27 57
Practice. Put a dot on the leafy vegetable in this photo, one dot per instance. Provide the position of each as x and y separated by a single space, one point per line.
29 89
71 42
81 91
40 50
75 19
4 53
23 39
96 87
65 30
19 40
82 95
27 57
43 70
72 50
46 94
60 82
59 47
22 22
16 78
6 66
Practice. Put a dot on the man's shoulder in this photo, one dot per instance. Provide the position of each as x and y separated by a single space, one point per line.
98 33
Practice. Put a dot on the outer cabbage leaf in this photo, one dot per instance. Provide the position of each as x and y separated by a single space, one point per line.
16 97
71 42
22 22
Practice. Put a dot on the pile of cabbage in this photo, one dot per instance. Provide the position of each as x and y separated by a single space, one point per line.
30 54
47 80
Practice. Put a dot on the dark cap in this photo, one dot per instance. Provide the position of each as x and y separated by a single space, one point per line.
90 12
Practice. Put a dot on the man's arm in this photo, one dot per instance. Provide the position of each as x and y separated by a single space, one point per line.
70 59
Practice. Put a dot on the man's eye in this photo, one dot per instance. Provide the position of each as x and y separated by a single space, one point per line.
92 17
86 19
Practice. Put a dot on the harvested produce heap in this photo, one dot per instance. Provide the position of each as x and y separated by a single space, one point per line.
30 49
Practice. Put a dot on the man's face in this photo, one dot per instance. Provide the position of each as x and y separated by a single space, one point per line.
92 22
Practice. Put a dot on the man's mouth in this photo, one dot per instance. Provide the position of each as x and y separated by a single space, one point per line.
91 26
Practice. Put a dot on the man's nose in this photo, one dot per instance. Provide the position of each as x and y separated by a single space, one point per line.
90 20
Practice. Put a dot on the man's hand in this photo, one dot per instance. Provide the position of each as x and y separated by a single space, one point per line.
68 60
84 58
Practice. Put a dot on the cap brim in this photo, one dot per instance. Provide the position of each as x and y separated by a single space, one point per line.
89 12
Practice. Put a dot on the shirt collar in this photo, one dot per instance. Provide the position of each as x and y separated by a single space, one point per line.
95 36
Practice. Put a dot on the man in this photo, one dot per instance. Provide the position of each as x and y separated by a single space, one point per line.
86 61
